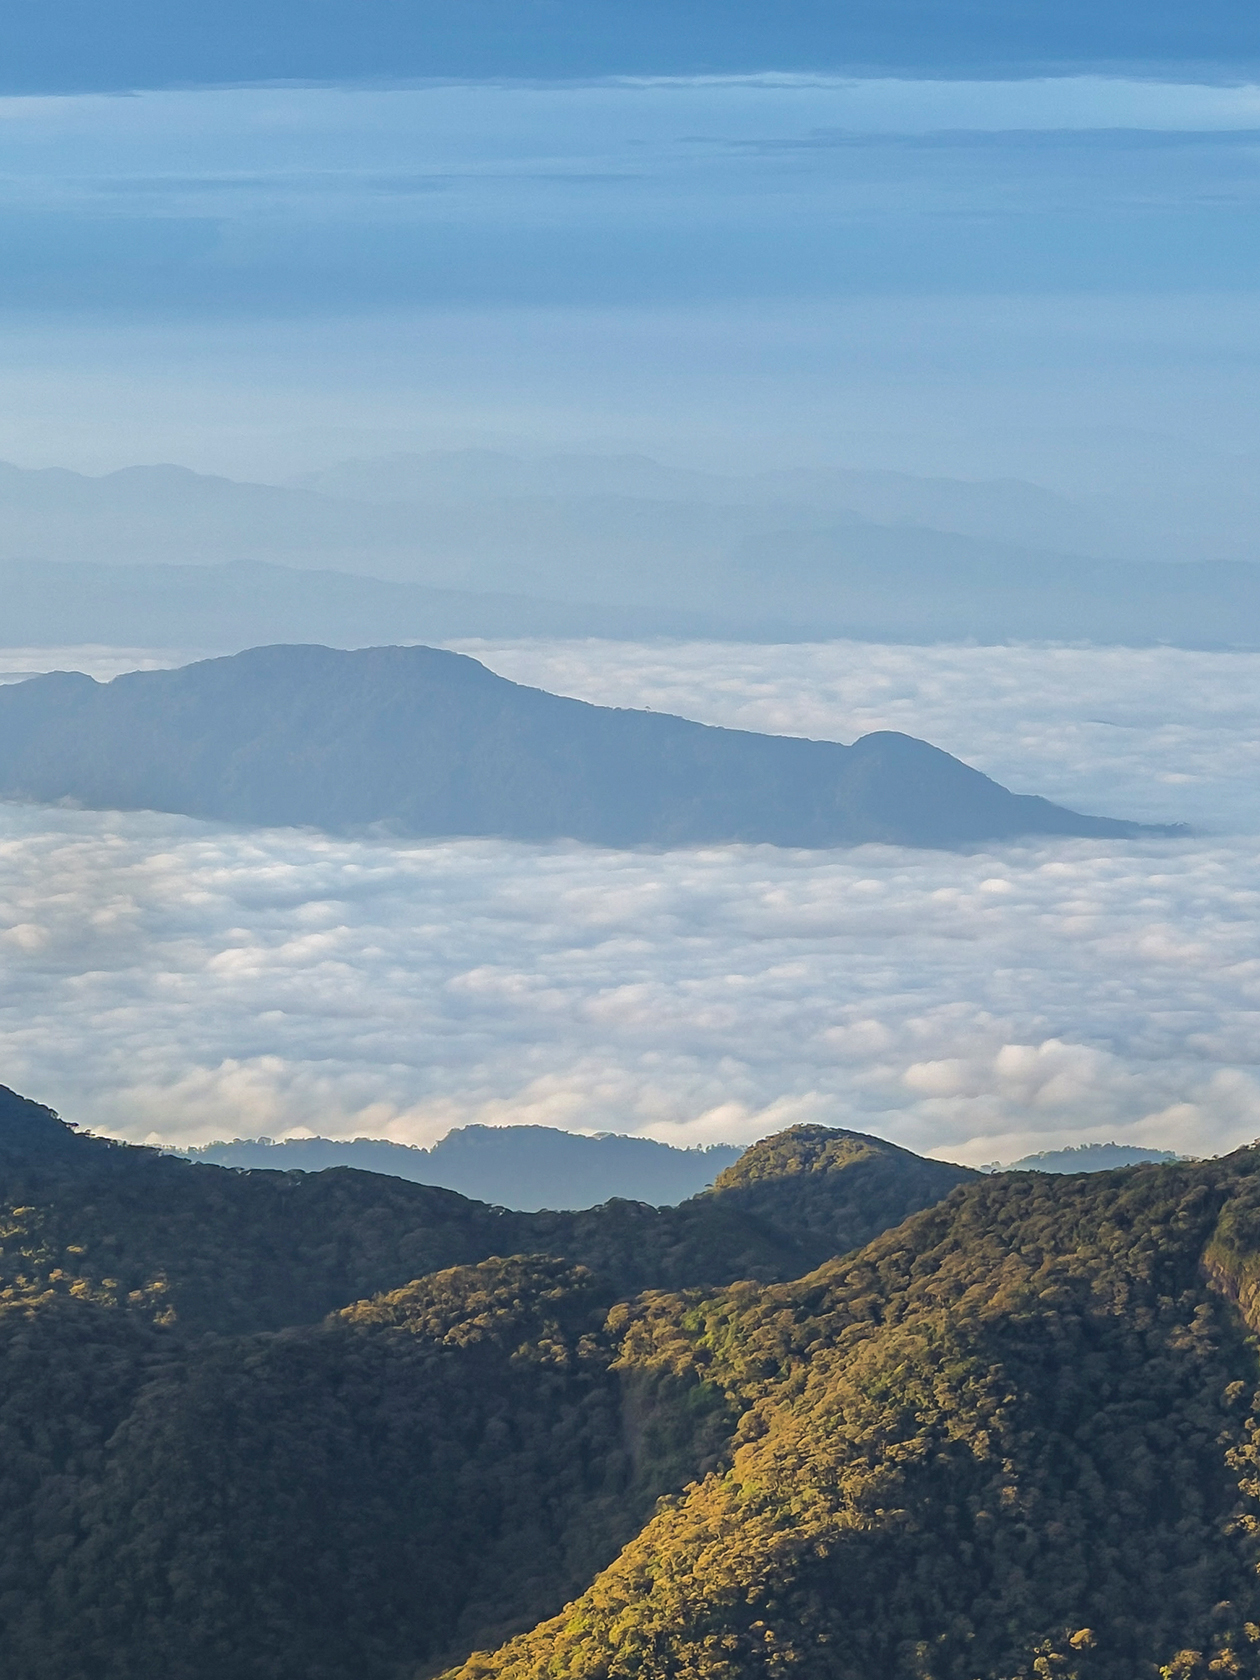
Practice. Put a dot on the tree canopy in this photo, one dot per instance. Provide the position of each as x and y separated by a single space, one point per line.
850 1415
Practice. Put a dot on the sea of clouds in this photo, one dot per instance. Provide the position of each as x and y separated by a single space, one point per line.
176 980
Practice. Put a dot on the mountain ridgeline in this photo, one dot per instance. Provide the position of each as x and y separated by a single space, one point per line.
464 543
431 743
410 1404
526 1167
850 1414
1089 1157
232 1251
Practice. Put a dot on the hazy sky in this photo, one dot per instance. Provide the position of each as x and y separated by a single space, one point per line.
967 275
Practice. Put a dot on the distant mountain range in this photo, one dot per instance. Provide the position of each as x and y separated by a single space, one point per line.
243 1250
607 529
823 593
1091 1157
524 1167
226 607
533 1167
431 743
478 543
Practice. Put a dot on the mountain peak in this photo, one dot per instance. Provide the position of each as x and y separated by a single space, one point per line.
801 1149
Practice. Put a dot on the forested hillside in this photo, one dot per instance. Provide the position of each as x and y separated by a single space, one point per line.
1013 1436
217 1248
1015 1439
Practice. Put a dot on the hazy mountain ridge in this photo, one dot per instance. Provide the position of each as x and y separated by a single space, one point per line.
238 604
470 543
998 510
432 743
489 520
522 1167
534 1167
1091 1157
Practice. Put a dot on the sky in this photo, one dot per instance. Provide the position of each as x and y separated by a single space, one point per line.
972 239
122 44
973 275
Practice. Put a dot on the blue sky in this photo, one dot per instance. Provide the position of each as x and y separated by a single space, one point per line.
279 200
94 44
969 272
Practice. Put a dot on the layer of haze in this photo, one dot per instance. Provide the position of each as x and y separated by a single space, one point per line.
171 979
1052 276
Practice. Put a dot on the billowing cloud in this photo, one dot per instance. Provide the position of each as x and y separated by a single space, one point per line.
163 978
103 663
169 979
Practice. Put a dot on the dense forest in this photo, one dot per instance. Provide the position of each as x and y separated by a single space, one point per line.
214 1248
850 1415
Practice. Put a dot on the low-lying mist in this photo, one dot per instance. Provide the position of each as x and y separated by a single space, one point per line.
180 981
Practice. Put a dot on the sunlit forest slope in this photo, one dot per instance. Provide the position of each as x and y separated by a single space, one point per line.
850 1415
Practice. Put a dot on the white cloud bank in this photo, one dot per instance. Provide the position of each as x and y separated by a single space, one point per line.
164 978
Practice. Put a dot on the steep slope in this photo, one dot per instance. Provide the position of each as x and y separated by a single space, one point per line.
412 1475
421 1469
432 743
1015 1439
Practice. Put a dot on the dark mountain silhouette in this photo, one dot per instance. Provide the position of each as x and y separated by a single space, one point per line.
432 743
524 1167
